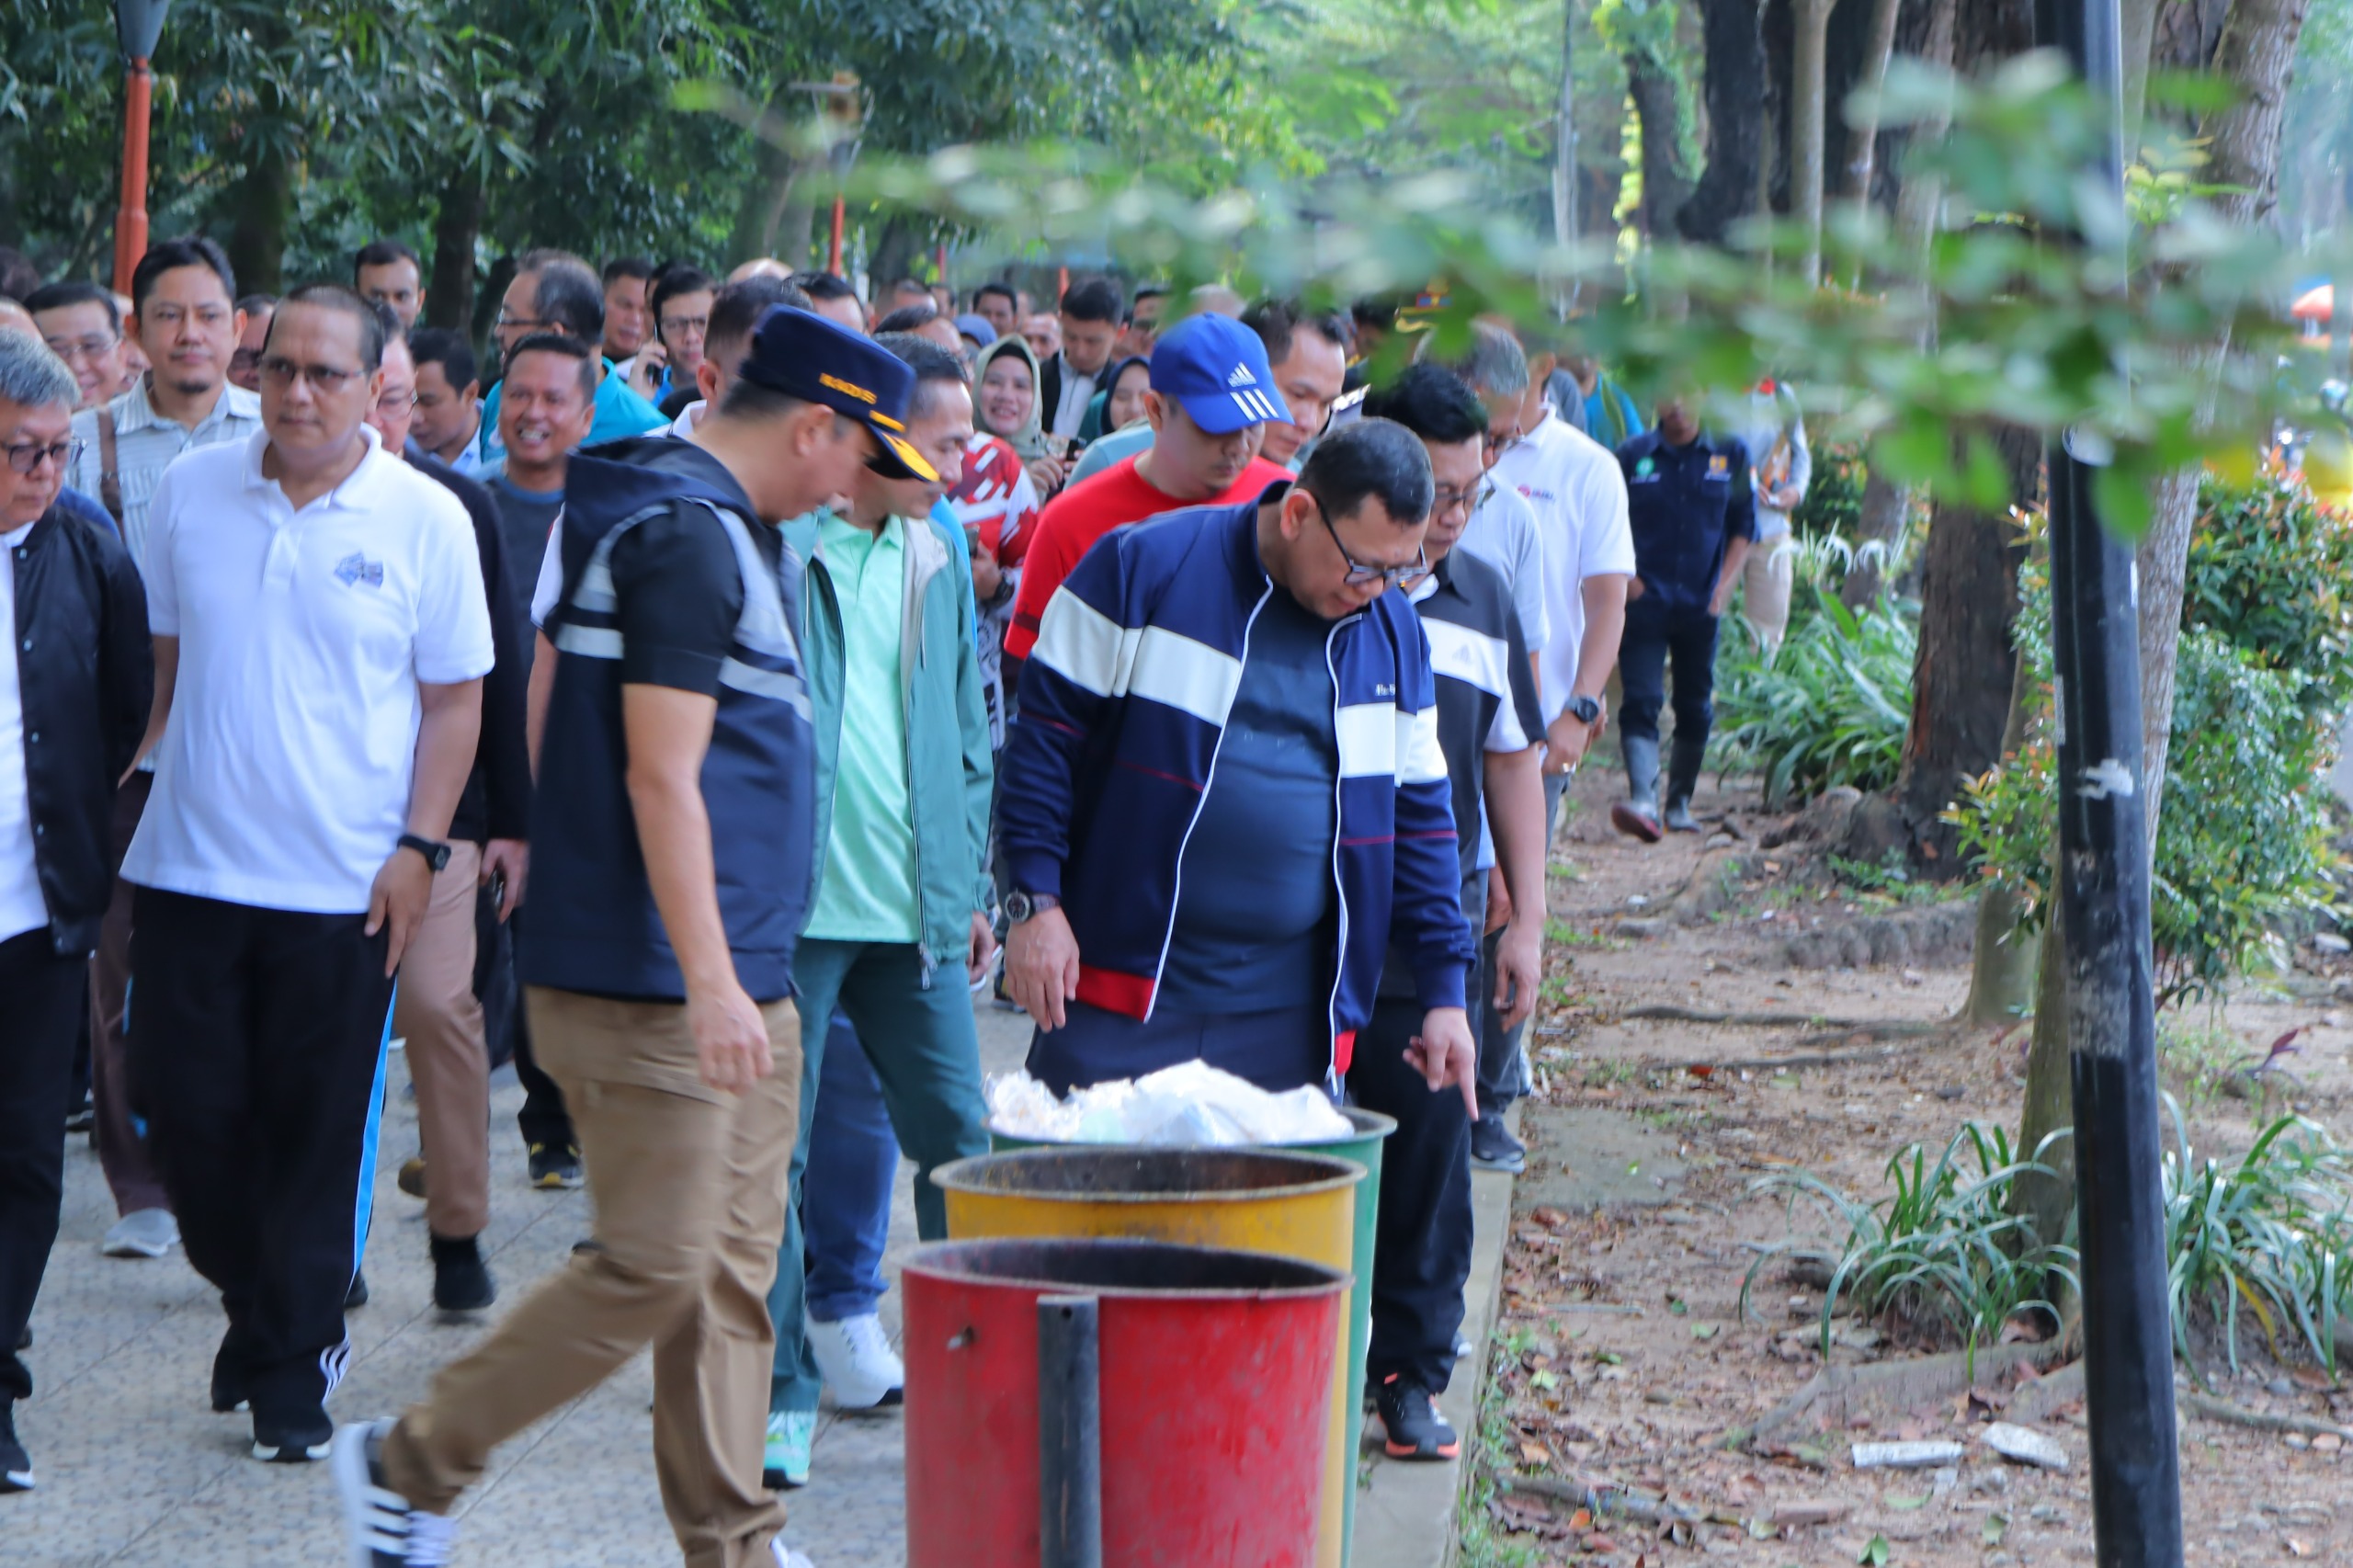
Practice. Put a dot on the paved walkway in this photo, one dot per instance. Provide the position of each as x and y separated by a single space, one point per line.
135 1470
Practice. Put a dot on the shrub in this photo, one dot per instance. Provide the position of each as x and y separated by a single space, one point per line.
2270 571
1834 496
1831 707
1943 1247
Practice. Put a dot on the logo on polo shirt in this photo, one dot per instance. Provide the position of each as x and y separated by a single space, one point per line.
354 569
1719 466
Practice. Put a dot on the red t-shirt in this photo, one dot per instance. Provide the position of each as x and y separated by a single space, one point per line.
1073 520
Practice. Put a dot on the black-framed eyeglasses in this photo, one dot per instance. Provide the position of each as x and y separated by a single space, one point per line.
280 371
25 458
517 324
1446 497
1359 573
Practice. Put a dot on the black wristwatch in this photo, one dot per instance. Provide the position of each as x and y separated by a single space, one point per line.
1020 906
435 854
1586 709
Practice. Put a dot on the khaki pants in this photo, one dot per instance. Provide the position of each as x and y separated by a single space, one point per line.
689 1186
448 1059
1766 578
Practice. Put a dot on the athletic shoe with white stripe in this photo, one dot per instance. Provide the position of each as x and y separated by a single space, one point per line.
381 1529
16 1465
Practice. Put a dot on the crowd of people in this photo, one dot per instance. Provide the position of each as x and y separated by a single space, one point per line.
686 695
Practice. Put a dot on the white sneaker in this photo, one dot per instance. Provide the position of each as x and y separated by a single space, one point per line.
785 1556
855 1359
142 1233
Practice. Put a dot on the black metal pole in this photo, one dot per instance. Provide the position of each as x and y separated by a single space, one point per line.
2111 1009
1070 1435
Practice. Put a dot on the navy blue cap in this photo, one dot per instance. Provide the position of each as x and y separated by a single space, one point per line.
1217 369
807 356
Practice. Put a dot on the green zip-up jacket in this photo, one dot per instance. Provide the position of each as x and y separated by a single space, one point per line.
949 767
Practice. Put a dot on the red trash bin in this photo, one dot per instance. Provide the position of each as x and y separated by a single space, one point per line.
1215 1390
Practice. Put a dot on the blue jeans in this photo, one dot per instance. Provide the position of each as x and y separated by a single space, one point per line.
845 1200
916 1025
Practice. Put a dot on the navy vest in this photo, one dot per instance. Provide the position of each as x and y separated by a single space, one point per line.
594 927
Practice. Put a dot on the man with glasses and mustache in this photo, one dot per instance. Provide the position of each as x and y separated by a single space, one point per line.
555 291
185 318
1223 801
321 637
75 683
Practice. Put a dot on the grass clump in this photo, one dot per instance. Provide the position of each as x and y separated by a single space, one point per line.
1942 1249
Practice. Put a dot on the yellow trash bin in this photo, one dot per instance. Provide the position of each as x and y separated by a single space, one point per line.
1295 1205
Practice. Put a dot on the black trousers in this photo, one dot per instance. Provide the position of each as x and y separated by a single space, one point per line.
258 1036
1650 638
41 998
543 1119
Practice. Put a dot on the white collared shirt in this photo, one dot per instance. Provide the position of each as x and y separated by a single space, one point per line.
145 444
1578 493
284 774
22 907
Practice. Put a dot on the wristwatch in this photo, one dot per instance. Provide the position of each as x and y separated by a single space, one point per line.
1019 906
1586 709
435 854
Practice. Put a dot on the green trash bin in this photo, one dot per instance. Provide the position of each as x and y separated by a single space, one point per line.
1362 1145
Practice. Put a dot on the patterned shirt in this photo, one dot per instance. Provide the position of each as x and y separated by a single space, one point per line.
145 444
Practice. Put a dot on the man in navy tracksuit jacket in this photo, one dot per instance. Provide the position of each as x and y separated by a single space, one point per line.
1223 801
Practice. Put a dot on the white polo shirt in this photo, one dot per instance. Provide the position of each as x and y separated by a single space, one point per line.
284 774
1578 493
23 907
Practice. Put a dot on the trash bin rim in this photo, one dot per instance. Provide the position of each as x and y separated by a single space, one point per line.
1364 1124
1338 1174
938 1260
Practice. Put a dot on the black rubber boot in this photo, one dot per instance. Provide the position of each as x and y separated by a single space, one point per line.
1637 814
1682 777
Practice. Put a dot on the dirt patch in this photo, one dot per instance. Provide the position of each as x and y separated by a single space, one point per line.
1626 1357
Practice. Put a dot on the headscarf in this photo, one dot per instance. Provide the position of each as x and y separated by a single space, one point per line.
1029 441
1098 422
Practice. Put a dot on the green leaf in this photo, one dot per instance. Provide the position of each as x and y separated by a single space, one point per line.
1876 1551
1990 1533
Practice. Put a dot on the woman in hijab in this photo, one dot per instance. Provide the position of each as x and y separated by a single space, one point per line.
1120 403
1005 404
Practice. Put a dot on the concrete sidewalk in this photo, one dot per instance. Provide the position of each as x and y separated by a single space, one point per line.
135 1470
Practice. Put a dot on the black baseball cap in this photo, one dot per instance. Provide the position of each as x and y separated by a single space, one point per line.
805 355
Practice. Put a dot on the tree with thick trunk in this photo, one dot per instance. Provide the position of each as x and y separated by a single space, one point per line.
1666 184
1733 88
450 297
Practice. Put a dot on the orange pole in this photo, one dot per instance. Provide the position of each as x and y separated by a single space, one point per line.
834 255
1061 283
131 222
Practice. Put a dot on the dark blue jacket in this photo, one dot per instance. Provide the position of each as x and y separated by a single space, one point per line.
1684 505
594 926
1114 748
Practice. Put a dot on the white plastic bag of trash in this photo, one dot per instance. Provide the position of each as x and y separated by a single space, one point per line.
1190 1103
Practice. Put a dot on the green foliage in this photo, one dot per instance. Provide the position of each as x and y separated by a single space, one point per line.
1830 708
1942 1247
1833 497
2271 1232
2243 840
2271 569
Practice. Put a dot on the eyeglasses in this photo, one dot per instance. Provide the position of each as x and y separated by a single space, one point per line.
27 459
72 348
517 323
1498 442
1389 577
391 402
698 325
244 360
280 371
1446 497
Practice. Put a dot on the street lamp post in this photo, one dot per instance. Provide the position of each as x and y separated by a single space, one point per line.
138 24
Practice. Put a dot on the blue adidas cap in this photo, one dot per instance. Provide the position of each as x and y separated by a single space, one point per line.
1217 369
807 356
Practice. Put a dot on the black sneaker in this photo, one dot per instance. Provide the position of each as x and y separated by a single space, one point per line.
16 1465
1493 1148
1409 1416
227 1381
298 1442
382 1530
461 1282
555 1167
358 1295
25 1340
82 1117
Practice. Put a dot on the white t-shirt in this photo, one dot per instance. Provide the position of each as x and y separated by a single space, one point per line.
284 774
22 908
1069 408
1503 532
1578 493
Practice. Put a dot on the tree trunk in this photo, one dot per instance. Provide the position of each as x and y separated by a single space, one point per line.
777 177
1565 150
1863 130
1963 671
2136 29
2001 967
265 209
450 301
1807 115
2050 1095
1665 184
1733 43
